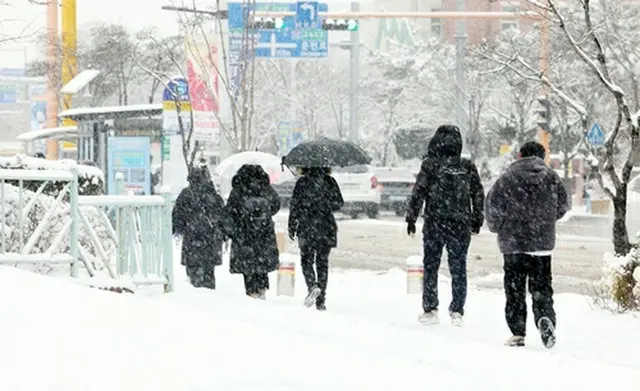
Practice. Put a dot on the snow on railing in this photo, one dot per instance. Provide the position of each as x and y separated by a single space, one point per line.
18 216
130 236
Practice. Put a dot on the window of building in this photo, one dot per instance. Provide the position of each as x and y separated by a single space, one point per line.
506 24
436 26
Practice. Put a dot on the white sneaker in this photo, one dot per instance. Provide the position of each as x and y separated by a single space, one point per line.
547 332
312 296
263 295
456 319
429 318
516 340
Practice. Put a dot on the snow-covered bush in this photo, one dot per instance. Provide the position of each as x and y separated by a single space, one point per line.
621 284
90 179
16 235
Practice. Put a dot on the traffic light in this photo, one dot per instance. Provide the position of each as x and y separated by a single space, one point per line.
544 113
340 24
267 23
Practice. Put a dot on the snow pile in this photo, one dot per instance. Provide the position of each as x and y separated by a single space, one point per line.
621 284
90 179
369 339
17 235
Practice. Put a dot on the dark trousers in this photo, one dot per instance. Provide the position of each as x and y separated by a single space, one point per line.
457 245
202 276
256 283
517 269
319 255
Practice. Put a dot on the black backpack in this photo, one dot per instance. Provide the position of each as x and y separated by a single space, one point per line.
449 195
256 209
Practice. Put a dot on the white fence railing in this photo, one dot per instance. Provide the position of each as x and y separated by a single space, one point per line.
129 237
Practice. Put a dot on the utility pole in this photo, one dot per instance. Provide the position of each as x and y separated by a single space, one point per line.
52 84
354 80
461 43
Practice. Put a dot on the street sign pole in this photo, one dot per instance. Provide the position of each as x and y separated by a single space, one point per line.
354 76
461 89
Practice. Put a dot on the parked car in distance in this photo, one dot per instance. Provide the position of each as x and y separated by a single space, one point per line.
395 185
285 191
360 190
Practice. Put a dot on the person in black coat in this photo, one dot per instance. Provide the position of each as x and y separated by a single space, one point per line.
316 196
250 209
198 215
523 207
450 189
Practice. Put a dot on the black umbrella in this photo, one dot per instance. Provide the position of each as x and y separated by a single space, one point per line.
326 152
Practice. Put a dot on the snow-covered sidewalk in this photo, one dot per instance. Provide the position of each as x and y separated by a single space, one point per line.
56 335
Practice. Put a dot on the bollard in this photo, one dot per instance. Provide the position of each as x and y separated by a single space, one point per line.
287 275
282 242
415 273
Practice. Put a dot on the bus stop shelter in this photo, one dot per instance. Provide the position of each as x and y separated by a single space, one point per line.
102 130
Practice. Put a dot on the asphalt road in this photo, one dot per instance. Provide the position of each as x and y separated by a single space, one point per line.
383 244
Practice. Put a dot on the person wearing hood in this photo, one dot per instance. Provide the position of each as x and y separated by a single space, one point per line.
198 215
523 207
451 192
316 196
250 209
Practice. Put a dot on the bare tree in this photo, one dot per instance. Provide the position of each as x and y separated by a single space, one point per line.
581 28
19 28
160 56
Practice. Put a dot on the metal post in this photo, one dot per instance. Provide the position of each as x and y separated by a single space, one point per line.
74 211
167 238
52 84
121 227
461 42
293 115
354 76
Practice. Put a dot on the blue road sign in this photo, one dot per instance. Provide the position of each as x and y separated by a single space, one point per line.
287 42
307 15
596 136
8 93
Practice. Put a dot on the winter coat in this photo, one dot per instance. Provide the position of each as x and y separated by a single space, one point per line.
250 209
523 206
316 196
198 215
444 149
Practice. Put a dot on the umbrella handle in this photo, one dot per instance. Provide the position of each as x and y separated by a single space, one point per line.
283 164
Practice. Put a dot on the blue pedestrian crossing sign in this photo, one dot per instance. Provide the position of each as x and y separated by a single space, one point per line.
307 15
595 136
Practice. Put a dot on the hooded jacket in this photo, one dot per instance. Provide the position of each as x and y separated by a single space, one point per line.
445 147
198 215
523 206
250 210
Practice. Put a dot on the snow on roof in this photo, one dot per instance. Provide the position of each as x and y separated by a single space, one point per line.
64 131
80 111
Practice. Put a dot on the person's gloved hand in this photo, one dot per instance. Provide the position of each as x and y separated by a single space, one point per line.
411 228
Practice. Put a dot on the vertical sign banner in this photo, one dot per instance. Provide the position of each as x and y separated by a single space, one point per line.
203 79
177 91
130 156
174 170
38 113
289 134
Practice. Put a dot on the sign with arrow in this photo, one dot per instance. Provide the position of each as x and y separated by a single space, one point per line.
595 136
307 15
